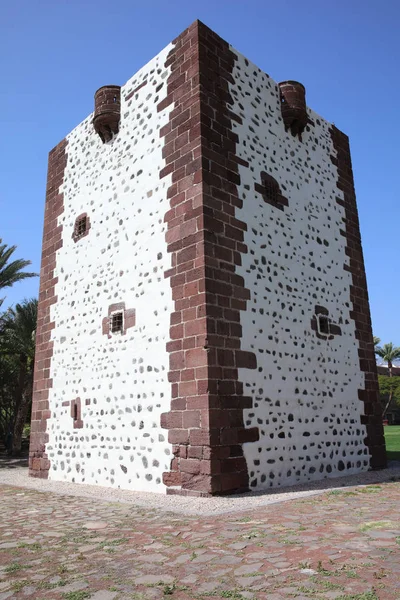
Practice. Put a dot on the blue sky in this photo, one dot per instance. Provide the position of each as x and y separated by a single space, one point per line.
56 53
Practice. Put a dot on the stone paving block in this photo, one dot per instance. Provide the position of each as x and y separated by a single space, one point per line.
7 545
104 595
204 558
184 558
154 579
246 582
248 568
95 525
153 558
207 586
76 586
28 590
238 546
189 579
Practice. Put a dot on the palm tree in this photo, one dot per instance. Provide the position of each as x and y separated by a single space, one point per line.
388 353
377 341
17 342
11 272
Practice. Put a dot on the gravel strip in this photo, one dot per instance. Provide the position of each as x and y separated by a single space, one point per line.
18 477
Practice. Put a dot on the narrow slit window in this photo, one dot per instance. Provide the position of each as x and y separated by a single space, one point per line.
75 412
117 322
323 325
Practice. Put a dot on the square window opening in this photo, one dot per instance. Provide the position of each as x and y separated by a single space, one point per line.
117 322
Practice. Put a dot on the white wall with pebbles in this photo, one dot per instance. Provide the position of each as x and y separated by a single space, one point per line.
122 259
304 390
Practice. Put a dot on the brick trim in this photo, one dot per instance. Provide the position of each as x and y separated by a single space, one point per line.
206 425
135 91
360 312
52 241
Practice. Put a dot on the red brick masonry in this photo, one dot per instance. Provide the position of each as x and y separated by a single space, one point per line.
360 312
52 241
206 241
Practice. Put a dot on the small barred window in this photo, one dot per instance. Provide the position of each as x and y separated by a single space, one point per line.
271 189
117 322
81 227
118 319
323 325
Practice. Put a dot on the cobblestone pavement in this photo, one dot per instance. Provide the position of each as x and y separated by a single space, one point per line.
343 544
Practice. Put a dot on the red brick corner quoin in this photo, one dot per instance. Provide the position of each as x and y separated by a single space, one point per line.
205 424
52 240
360 313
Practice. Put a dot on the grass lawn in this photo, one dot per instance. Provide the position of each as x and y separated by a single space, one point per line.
392 437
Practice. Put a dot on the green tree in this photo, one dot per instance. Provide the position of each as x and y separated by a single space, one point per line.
17 346
7 408
388 353
389 390
11 270
377 341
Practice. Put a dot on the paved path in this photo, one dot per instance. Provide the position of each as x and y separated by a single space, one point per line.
343 544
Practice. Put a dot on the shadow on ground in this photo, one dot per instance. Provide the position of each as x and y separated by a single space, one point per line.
393 456
13 462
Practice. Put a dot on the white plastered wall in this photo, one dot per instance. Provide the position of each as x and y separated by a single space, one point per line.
304 390
121 381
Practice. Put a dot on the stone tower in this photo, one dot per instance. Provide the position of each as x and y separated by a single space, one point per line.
204 324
